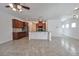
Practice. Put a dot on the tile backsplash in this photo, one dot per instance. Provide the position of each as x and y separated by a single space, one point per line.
17 29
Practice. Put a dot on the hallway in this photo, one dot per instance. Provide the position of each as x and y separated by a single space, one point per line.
59 46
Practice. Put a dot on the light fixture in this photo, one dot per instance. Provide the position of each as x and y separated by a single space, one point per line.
75 13
15 7
19 6
20 10
11 5
75 16
76 8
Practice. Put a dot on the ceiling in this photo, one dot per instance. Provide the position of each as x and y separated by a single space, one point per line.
47 11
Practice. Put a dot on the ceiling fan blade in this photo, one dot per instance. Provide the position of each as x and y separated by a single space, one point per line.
7 6
26 7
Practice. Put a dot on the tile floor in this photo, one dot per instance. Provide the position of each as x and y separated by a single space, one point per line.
59 46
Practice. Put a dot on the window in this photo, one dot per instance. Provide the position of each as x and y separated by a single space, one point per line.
62 26
73 25
67 25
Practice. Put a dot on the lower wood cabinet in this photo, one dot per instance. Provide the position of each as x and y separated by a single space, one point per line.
18 35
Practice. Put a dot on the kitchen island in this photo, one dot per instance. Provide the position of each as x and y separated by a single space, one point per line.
39 35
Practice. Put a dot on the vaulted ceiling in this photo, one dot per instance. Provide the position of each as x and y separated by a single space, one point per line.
48 11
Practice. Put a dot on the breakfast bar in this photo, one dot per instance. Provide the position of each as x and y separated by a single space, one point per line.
38 35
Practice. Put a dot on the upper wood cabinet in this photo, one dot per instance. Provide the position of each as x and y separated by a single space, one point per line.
17 24
40 26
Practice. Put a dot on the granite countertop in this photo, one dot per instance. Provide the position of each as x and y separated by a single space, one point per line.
39 31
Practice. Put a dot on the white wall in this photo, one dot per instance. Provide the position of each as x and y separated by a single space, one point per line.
54 26
5 27
71 32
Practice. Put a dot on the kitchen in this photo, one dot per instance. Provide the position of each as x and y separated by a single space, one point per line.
36 29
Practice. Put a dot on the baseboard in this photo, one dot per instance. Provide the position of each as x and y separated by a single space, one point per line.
4 41
71 37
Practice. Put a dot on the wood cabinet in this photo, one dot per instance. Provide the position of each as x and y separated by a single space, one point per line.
17 24
18 35
44 26
40 26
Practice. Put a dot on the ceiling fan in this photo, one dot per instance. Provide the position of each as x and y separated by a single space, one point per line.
17 7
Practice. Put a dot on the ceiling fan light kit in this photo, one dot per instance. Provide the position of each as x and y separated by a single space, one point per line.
14 9
76 13
11 5
75 16
17 7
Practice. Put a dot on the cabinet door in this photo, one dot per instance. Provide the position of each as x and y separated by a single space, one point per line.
15 36
17 24
14 23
